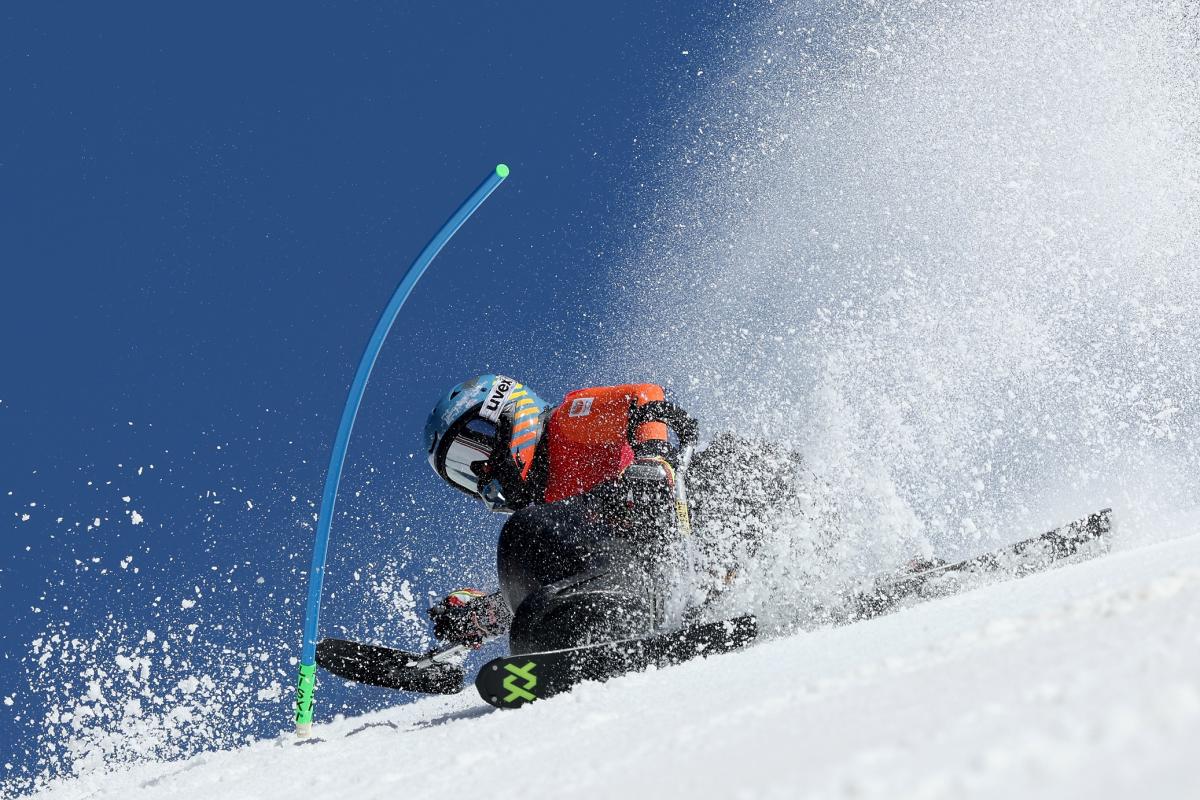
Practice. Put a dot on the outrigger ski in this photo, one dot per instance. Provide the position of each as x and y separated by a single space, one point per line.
513 681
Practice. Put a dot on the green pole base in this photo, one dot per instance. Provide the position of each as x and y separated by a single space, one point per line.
306 683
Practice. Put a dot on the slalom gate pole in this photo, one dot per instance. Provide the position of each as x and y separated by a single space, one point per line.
306 681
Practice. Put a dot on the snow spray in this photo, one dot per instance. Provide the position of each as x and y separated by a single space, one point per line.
948 251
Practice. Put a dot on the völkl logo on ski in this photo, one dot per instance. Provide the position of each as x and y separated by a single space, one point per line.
524 673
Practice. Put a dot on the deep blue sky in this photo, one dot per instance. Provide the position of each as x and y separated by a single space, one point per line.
203 210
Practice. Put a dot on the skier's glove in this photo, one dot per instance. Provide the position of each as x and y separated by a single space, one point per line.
470 617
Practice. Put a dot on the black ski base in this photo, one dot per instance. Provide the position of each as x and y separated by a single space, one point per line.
391 669
513 681
1084 537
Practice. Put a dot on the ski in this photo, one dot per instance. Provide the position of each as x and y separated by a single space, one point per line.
423 673
1083 537
513 681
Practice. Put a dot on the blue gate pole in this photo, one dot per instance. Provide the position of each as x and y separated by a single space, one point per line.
306 682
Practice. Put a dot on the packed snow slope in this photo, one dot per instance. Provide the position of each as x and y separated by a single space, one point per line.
1079 682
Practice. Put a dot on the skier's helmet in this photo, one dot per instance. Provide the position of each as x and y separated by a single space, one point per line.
482 432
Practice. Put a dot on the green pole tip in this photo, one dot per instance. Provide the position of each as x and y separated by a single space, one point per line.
502 170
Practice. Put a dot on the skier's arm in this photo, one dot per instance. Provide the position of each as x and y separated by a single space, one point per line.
648 438
470 617
652 418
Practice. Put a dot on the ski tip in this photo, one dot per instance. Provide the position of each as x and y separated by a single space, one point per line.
502 170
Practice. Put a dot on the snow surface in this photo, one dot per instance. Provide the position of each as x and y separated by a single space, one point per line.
1079 682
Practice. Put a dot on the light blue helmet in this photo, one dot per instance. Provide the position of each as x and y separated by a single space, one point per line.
473 426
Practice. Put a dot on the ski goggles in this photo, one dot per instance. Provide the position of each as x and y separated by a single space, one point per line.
466 445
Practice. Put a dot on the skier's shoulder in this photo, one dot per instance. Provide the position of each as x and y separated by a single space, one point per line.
641 392
604 404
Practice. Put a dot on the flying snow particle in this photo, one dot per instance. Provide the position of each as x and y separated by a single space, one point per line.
135 518
271 692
